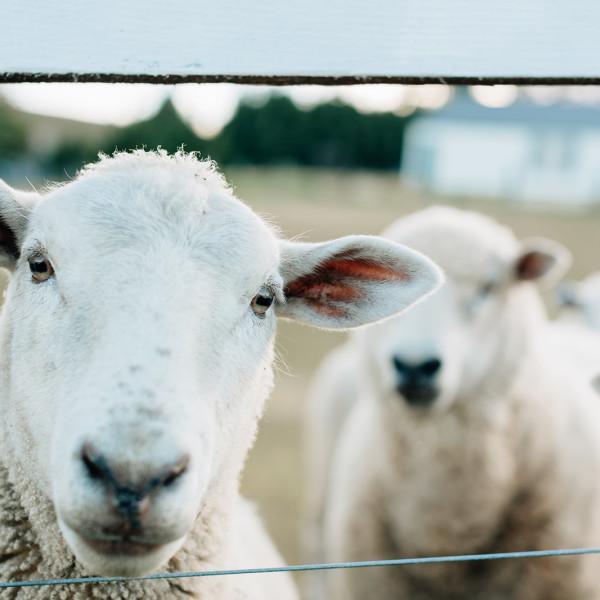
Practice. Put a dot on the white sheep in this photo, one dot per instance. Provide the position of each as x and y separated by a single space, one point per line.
463 432
136 344
580 301
580 345
577 328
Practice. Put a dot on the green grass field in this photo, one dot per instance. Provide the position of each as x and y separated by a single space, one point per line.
320 205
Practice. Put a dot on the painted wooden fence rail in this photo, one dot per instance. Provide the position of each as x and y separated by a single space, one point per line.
301 41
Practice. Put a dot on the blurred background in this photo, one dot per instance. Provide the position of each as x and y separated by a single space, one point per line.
330 161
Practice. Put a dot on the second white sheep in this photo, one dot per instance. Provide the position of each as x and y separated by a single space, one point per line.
463 431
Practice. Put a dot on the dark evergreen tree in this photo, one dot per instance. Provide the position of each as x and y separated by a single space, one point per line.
333 135
13 134
165 129
274 132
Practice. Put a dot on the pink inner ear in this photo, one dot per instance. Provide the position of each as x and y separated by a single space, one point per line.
361 269
334 281
533 265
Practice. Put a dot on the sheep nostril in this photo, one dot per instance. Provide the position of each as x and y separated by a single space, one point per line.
430 367
178 469
400 365
422 370
93 469
96 466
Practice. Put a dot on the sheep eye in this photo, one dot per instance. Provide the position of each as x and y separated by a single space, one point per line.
480 296
41 269
261 303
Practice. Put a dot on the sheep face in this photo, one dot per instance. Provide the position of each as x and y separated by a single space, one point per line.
452 343
148 350
137 341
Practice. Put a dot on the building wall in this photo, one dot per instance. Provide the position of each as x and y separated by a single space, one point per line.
534 162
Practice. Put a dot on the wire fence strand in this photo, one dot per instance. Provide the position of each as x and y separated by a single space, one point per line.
315 567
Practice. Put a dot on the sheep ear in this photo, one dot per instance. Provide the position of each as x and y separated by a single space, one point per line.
543 261
352 281
15 208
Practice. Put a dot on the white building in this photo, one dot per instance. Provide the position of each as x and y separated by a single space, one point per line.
523 151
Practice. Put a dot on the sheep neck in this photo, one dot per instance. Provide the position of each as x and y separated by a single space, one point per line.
25 554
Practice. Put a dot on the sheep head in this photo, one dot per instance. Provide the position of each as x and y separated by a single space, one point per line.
474 330
137 342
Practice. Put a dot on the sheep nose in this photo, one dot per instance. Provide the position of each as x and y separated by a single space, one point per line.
416 381
423 370
130 495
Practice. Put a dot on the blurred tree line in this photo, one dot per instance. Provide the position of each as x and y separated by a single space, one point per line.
271 133
13 134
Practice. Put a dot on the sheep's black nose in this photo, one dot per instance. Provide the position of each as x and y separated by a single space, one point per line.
423 370
416 381
131 497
